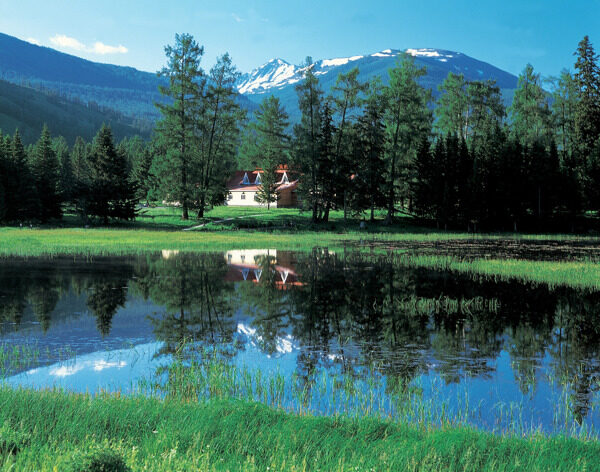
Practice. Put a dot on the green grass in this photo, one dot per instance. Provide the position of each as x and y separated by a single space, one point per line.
289 229
577 274
49 431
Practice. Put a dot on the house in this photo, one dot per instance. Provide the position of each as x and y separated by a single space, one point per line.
247 266
244 185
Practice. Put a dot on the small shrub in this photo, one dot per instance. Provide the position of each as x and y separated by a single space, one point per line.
99 460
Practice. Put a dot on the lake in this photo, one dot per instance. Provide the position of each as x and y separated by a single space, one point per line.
350 332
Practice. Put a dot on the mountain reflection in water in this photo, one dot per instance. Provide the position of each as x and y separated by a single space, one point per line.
301 313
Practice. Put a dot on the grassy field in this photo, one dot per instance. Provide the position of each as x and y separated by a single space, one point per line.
54 431
160 229
577 274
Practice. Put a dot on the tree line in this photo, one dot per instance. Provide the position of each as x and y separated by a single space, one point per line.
463 160
97 180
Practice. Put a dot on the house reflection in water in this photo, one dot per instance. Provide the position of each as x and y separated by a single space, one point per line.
250 264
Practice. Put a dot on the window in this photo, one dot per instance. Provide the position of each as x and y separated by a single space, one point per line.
284 179
258 180
246 180
230 196
243 196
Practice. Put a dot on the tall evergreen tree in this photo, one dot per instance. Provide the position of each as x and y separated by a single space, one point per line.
564 106
345 99
177 128
587 115
142 175
587 120
112 193
272 145
4 176
368 152
529 112
46 174
81 172
452 110
22 194
65 184
218 134
486 110
307 155
408 119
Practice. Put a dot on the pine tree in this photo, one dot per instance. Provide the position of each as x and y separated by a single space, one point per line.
65 186
176 169
564 106
22 194
46 173
112 195
272 144
5 175
452 110
587 115
486 110
326 175
142 175
423 187
306 133
529 112
367 151
81 172
408 119
345 98
219 134
587 120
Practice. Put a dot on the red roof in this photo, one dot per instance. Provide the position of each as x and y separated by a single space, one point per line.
236 183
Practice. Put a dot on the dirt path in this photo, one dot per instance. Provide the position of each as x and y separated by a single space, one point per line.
220 221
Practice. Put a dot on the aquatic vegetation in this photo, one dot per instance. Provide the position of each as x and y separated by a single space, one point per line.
161 435
579 274
201 374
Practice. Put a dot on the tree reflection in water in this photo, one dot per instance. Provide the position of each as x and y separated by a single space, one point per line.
340 311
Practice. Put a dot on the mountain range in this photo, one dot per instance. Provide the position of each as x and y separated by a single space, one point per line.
278 77
125 96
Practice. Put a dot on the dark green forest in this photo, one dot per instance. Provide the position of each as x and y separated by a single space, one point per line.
463 160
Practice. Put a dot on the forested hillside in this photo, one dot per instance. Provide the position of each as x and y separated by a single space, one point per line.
128 90
28 110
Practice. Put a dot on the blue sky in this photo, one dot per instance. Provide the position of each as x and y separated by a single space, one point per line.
506 33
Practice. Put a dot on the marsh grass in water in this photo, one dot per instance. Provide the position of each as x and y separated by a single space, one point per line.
576 274
199 374
63 430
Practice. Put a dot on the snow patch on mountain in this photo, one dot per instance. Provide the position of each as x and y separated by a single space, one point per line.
340 61
277 73
274 73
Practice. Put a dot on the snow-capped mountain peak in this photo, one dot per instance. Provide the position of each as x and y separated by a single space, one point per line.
276 75
273 73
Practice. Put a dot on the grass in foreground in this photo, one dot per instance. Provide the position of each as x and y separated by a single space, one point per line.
49 431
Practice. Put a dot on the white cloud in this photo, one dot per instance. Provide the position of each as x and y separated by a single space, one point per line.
237 18
66 42
33 41
101 48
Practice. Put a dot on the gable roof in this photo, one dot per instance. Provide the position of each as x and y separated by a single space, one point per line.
236 183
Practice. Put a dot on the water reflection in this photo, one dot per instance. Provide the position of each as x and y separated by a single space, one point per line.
307 312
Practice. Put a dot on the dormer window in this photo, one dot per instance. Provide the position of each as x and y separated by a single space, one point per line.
258 180
246 180
284 179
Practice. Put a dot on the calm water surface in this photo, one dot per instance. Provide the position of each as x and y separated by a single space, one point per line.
492 353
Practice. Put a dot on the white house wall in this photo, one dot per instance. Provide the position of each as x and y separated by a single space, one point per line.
236 200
